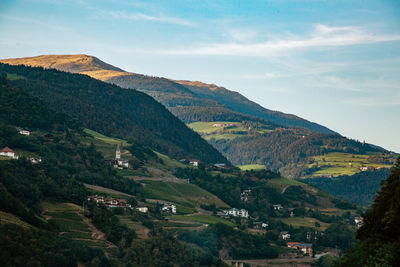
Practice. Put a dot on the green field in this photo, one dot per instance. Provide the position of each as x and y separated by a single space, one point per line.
6 217
336 164
230 131
187 195
305 222
13 77
106 139
208 219
252 167
70 223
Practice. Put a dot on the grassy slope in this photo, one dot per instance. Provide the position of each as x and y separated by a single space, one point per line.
337 164
252 167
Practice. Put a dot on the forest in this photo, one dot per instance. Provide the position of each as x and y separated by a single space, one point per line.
115 112
359 188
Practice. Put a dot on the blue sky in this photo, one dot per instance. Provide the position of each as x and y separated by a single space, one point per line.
336 63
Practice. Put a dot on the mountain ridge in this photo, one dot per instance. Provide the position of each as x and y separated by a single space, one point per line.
98 69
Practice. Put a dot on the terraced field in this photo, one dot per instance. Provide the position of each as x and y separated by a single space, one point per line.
188 196
336 164
68 217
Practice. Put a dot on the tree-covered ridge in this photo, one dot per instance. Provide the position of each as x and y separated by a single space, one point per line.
286 150
359 188
238 103
379 237
115 112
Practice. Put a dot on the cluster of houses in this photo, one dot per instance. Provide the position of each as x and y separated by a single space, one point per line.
117 162
170 208
260 225
244 196
109 202
221 125
196 163
306 248
280 207
242 213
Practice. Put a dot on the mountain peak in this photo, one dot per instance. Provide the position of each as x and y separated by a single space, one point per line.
80 63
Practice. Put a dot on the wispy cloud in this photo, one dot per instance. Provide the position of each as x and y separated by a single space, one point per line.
263 76
321 36
35 22
145 17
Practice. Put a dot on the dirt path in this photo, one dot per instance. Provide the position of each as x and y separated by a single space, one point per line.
162 179
284 189
107 190
96 233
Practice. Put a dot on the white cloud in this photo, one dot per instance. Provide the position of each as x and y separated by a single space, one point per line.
263 76
321 36
242 34
49 25
145 17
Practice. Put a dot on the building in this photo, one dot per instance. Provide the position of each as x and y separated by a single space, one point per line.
118 152
194 163
35 160
291 212
359 221
237 213
260 225
143 209
220 166
244 196
363 168
169 208
24 132
8 152
284 235
278 207
306 248
109 202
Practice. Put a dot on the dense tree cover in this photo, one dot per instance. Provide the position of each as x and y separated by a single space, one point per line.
379 237
33 247
106 221
241 245
285 150
359 188
199 102
114 111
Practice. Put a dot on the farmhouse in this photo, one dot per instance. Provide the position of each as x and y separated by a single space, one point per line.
35 160
306 248
109 202
24 132
284 235
220 166
169 208
237 213
194 163
358 221
8 152
142 208
260 225
244 196
278 207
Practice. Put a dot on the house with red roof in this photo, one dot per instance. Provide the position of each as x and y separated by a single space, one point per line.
8 152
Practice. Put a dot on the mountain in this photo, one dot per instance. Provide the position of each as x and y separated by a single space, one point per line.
243 131
379 237
185 93
45 209
113 111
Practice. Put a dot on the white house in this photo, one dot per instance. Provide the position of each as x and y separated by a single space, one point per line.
35 160
24 132
143 209
194 163
284 235
8 152
237 213
169 208
278 207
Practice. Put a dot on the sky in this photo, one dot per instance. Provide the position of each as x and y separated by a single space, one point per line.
336 63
